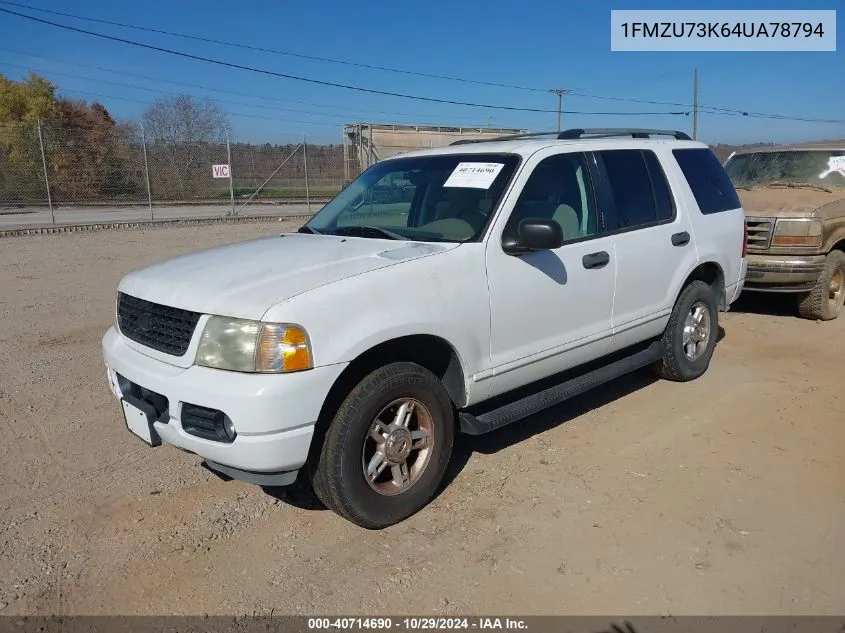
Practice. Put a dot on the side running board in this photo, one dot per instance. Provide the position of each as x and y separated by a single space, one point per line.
524 407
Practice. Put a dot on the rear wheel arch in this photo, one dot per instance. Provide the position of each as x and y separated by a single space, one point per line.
712 274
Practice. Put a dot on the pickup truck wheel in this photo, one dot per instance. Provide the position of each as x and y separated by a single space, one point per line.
825 300
387 449
690 335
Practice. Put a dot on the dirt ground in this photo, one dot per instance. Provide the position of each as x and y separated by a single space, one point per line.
721 496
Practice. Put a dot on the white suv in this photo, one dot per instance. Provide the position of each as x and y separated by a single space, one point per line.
415 303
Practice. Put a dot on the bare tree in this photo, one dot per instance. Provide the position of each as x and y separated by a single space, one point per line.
186 129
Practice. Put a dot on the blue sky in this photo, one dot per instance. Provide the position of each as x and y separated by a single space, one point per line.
540 44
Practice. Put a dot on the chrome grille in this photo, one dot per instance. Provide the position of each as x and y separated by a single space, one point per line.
759 233
157 326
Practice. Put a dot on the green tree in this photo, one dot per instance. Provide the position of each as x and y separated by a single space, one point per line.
26 102
22 105
89 154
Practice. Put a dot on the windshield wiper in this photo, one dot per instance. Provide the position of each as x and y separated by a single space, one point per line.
780 184
368 230
309 229
800 185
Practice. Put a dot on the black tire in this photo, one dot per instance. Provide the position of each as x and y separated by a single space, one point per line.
339 479
818 303
675 364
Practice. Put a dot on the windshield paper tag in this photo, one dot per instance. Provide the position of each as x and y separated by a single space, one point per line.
835 163
474 175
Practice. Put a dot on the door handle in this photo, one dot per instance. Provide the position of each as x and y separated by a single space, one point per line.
680 239
596 260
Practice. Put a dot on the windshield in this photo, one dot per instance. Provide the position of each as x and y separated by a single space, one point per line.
820 168
447 198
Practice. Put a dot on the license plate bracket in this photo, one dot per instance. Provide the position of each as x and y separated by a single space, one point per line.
139 417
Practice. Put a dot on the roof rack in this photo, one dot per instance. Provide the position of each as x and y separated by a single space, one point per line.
604 132
509 137
579 133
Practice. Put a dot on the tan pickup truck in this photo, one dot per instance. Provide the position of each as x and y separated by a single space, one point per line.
794 201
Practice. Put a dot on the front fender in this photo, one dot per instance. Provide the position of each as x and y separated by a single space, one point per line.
444 295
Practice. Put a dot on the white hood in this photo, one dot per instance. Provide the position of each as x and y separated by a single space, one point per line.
245 279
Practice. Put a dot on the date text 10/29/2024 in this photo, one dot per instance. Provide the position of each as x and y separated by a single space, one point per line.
422 623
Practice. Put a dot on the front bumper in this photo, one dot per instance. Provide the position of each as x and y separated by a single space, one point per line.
273 415
783 273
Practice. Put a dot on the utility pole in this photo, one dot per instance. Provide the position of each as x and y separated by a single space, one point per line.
559 92
695 105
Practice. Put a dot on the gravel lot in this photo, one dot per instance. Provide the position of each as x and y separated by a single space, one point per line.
725 495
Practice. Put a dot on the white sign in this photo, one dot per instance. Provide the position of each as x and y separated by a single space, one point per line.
834 163
723 30
220 171
475 175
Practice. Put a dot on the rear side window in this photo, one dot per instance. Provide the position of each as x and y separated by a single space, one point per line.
662 195
713 190
639 192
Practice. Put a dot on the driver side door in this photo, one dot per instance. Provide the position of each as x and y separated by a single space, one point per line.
550 310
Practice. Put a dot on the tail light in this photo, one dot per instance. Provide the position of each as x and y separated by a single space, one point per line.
744 239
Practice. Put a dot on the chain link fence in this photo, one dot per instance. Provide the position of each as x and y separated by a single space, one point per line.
69 172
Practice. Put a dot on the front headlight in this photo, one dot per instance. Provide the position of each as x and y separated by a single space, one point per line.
795 232
253 346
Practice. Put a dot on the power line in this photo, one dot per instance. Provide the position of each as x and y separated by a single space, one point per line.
324 59
578 93
210 89
712 109
233 114
273 51
168 92
272 73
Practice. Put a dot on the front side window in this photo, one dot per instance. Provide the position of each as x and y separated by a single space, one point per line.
560 189
445 198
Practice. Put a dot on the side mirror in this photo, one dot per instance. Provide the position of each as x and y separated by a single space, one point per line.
535 234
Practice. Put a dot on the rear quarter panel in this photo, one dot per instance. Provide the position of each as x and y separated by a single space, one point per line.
719 237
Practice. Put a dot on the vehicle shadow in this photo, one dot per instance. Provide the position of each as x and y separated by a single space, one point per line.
301 494
517 432
495 441
771 304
